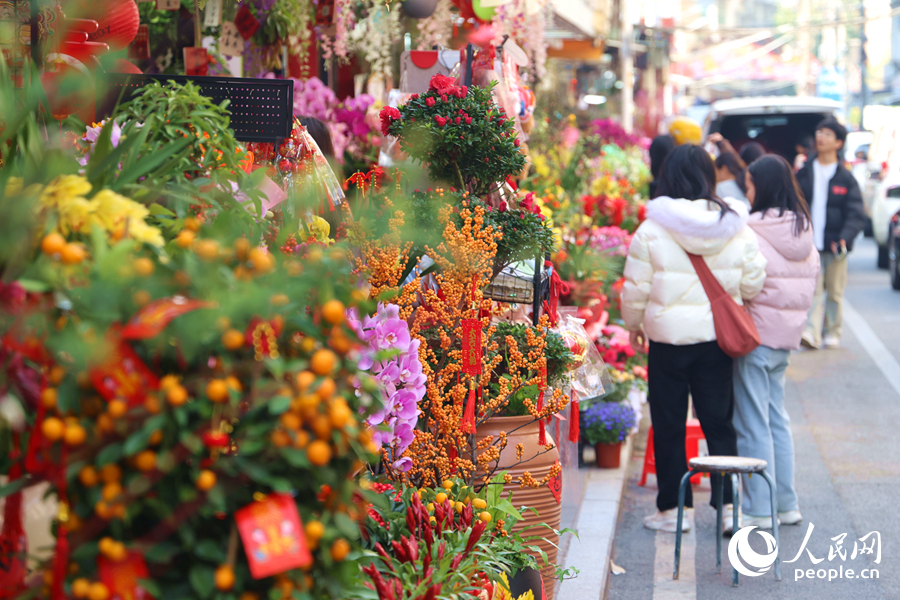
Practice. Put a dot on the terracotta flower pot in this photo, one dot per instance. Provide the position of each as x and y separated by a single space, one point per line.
521 430
608 455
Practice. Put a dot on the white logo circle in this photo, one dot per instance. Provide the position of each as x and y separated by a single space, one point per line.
740 545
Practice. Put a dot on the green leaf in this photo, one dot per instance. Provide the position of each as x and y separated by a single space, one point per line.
295 458
12 487
151 587
216 498
159 209
210 551
202 579
162 553
507 507
346 526
84 552
34 286
279 404
110 454
137 441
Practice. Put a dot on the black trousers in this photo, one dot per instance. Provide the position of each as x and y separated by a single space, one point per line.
705 372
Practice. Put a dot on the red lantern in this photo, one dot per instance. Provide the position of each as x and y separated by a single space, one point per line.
118 19
125 66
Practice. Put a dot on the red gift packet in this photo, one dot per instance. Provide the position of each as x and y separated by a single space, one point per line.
152 319
273 537
123 374
196 61
121 577
246 22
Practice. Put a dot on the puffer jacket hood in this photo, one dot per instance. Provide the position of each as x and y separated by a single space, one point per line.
662 293
792 267
779 232
698 226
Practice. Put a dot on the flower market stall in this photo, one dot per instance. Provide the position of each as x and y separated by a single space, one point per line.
246 357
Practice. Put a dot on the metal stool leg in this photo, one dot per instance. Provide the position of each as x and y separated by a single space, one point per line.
736 494
681 488
774 524
720 496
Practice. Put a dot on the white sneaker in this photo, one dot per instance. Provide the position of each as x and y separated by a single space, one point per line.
667 520
760 522
806 341
830 341
790 517
728 519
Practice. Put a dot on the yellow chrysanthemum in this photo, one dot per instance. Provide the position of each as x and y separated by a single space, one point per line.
141 232
63 189
115 212
76 214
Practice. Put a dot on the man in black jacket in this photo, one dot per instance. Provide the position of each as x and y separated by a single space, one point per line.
838 215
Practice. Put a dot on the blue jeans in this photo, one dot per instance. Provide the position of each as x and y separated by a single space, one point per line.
763 428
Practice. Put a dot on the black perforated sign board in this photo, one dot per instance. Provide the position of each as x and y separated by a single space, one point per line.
261 109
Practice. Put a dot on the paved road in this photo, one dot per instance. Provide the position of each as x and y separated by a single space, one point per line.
845 410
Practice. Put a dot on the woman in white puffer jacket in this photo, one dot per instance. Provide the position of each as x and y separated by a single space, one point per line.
663 300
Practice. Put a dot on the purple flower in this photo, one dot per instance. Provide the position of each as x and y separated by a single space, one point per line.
403 465
398 373
393 333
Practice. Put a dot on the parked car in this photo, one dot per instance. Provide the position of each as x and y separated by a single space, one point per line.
884 206
776 122
856 159
894 251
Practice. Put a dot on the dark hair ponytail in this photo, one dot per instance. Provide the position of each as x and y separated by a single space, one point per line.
688 172
776 187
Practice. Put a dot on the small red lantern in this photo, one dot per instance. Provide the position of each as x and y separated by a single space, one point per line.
118 19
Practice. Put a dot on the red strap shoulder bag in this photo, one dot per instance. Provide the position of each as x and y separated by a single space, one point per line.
735 331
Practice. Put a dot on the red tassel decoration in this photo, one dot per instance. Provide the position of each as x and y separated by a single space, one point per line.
13 543
574 420
60 564
542 429
468 420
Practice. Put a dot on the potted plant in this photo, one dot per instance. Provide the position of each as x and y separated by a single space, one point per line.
606 425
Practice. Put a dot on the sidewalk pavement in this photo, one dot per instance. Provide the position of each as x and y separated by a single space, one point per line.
595 524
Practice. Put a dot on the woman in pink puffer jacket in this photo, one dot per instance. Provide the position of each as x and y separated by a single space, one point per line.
780 218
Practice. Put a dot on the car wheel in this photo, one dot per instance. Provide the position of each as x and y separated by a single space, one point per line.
882 257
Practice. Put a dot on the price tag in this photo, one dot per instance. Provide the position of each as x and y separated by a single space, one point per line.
139 48
272 535
231 43
168 4
246 22
212 15
196 61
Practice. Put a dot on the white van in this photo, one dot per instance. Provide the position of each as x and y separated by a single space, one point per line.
779 123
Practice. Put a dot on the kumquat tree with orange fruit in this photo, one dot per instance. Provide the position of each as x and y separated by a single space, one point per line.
186 397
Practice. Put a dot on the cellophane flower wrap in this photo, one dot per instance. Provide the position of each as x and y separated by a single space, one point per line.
392 356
